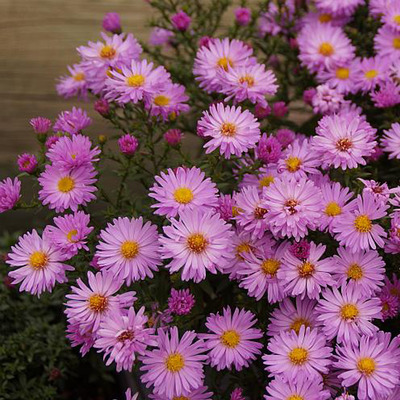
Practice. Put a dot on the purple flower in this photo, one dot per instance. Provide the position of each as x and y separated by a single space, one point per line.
181 21
243 16
102 107
74 84
128 144
268 149
237 394
388 95
72 122
280 109
285 136
180 302
112 23
173 136
160 36
262 111
27 163
308 95
10 192
40 124
300 250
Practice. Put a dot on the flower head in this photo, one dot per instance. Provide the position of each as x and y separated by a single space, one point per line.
40 125
391 141
112 22
27 163
268 149
72 122
10 193
128 144
173 137
243 16
181 21
74 84
181 302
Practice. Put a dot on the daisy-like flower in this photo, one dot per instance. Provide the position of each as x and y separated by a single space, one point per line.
381 192
72 122
371 364
289 316
89 305
347 314
307 389
198 242
128 249
160 36
362 270
10 193
175 367
344 7
252 211
220 54
61 190
226 207
335 199
327 100
121 337
132 83
343 141
391 18
80 337
258 272
370 72
72 152
40 125
27 163
180 302
168 101
201 393
40 264
230 129
182 189
388 95
324 45
355 229
295 357
390 305
308 276
340 77
393 243
261 180
298 160
232 341
387 43
391 141
74 84
70 232
293 207
249 82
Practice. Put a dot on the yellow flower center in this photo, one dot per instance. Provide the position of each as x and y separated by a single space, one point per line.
70 236
228 129
174 362
183 195
230 339
130 249
125 335
180 398
298 323
136 80
235 211
396 43
363 224
38 260
371 74
293 164
333 209
197 243
242 248
265 181
259 212
270 266
247 79
291 204
326 49
396 19
161 100
80 76
366 365
344 144
66 184
98 303
355 272
298 356
324 18
108 52
342 73
295 397
349 312
306 269
224 62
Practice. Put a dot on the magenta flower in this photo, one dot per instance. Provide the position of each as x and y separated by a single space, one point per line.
175 367
102 107
40 125
52 140
173 137
27 163
308 95
391 141
387 43
280 109
237 394
264 178
340 77
198 242
231 340
181 302
181 21
182 189
390 305
301 249
128 144
72 122
74 84
40 264
327 100
285 136
243 16
262 112
160 36
112 22
198 394
388 95
268 149
80 337
392 244
370 72
10 193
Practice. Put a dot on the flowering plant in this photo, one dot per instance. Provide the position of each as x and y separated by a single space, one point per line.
247 244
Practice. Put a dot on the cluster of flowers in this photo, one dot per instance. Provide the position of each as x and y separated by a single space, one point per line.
269 236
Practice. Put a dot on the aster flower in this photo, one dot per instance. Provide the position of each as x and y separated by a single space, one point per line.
258 272
370 72
392 287
198 242
280 109
175 367
268 149
226 207
343 141
61 190
327 100
128 144
10 193
237 394
173 137
323 45
293 207
295 357
27 163
132 83
128 249
232 339
70 232
369 363
301 249
345 396
243 16
122 337
73 152
180 302
74 84
181 21
381 192
285 136
72 122
355 229
391 141
220 54
340 77
201 393
182 189
390 305
89 305
160 36
40 125
232 130
388 95
39 264
308 276
387 43
249 82
112 22
392 244
280 389
289 316
345 7
80 337
263 179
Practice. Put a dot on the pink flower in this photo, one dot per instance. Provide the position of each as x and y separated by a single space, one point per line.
387 43
285 136
262 112
393 243
388 95
181 302
112 23
327 100
40 125
370 72
280 109
390 305
198 394
268 149
181 21
243 16
160 36
341 77
80 337
27 163
232 339
300 250
128 144
10 193
308 95
102 107
74 84
391 141
237 394
72 122
173 137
